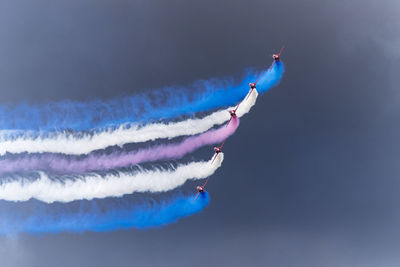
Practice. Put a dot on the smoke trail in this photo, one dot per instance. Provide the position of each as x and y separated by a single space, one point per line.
165 103
84 143
92 186
97 216
96 162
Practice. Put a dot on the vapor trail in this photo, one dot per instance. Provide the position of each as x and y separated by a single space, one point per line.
92 186
78 144
97 216
98 162
163 104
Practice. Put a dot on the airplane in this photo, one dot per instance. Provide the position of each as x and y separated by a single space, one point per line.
277 57
200 189
233 114
217 151
253 86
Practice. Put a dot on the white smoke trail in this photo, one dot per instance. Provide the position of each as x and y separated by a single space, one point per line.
95 186
77 144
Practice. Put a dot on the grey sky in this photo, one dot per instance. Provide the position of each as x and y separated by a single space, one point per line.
311 178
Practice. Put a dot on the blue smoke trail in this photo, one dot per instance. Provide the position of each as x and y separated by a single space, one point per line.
167 103
98 215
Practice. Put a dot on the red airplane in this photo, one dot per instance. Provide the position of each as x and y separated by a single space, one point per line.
253 86
200 188
277 57
233 114
217 151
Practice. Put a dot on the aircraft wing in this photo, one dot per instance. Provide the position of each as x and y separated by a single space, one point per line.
281 50
273 63
214 157
229 122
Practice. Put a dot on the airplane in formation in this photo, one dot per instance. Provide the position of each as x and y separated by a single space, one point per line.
217 150
277 57
233 115
200 188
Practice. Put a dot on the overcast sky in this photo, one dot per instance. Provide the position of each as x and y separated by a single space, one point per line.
311 177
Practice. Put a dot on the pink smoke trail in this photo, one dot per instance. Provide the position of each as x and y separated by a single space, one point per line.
93 162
